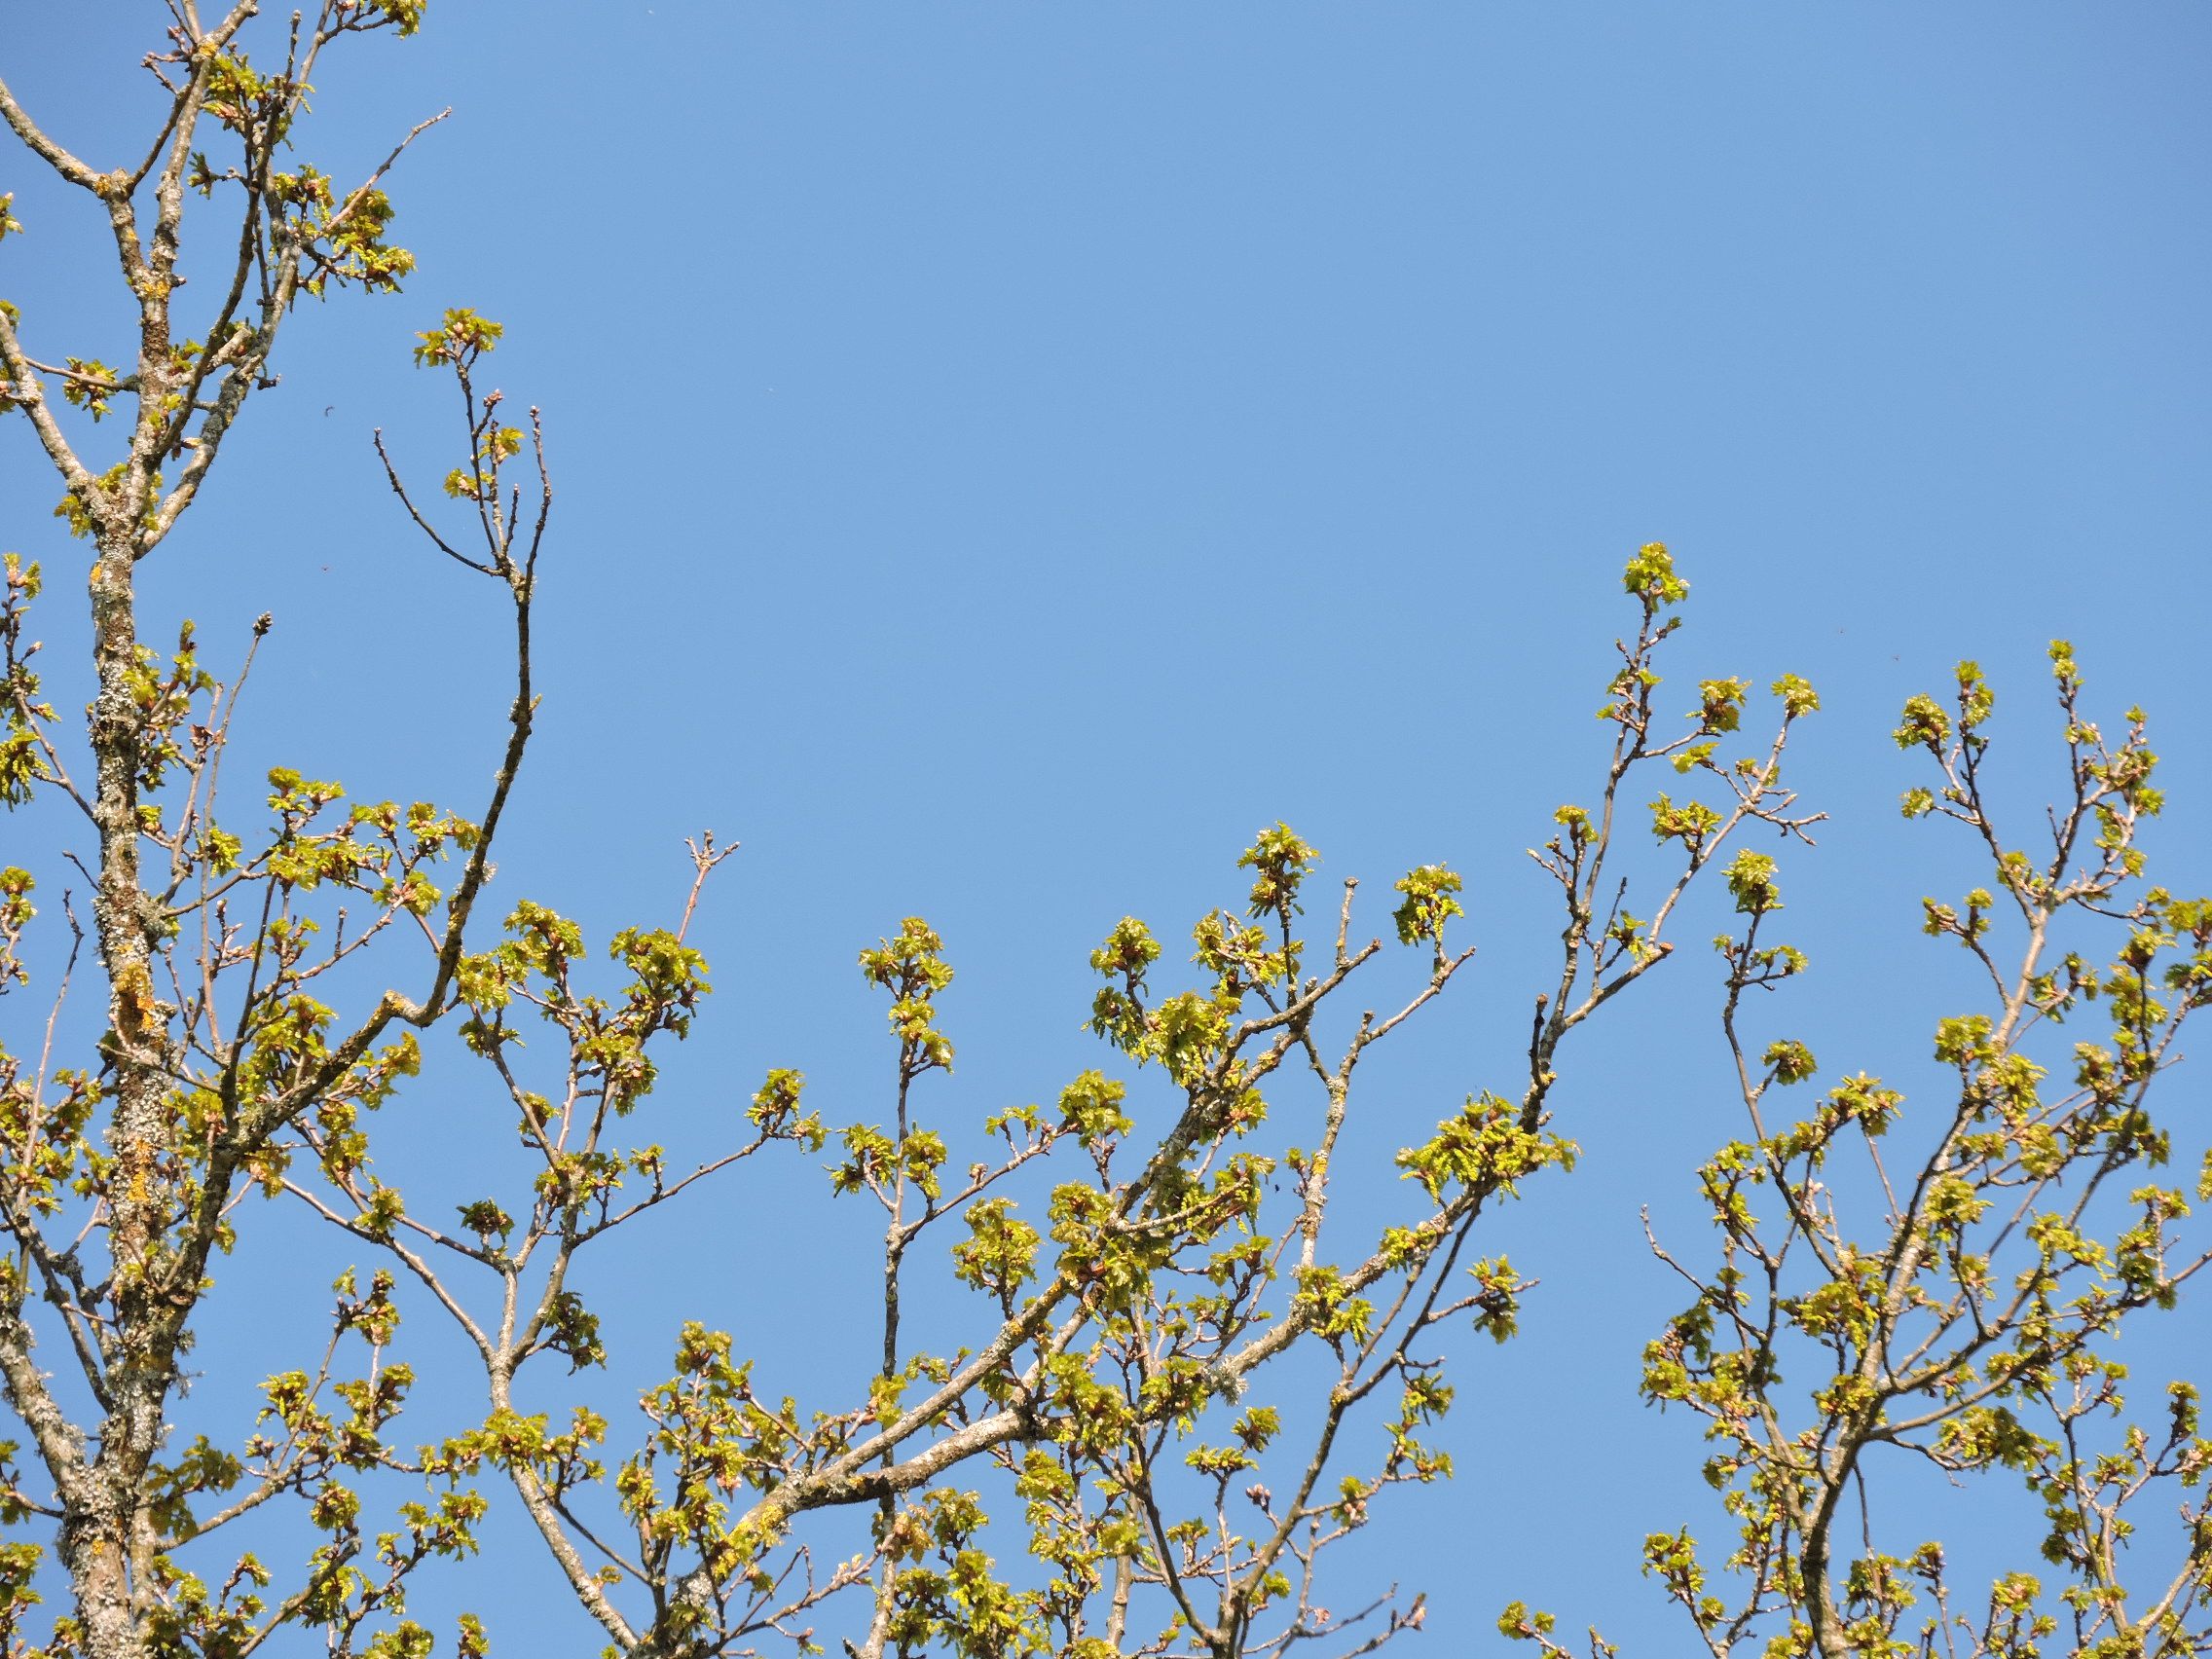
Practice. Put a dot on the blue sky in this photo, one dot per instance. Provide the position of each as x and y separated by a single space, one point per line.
1009 454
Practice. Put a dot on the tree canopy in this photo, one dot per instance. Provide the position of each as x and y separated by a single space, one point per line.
1151 1348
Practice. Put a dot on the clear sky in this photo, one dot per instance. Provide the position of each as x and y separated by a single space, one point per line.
1008 454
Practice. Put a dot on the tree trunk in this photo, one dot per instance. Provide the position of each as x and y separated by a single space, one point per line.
106 1517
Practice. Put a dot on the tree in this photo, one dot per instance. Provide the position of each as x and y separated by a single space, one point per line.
1961 1302
1174 1393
